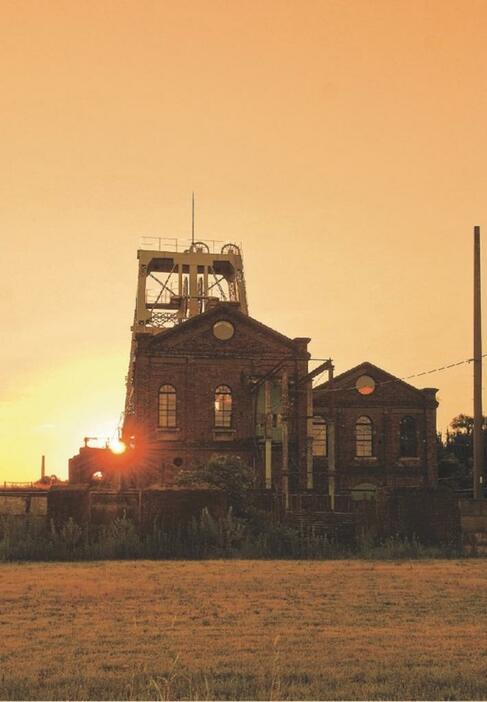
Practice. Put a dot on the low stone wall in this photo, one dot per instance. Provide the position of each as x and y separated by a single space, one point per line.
146 508
22 505
430 515
473 517
20 502
66 502
171 508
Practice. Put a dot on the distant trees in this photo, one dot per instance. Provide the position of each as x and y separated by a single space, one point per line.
455 453
462 424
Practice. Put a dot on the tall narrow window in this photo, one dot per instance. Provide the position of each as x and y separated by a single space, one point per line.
223 406
320 437
167 406
363 437
408 437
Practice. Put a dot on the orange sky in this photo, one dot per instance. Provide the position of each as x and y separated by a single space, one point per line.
342 142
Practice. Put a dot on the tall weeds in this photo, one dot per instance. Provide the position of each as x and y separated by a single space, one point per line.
31 539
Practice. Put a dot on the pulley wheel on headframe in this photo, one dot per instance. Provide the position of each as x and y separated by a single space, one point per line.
231 249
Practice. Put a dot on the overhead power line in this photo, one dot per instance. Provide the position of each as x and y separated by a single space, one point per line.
407 377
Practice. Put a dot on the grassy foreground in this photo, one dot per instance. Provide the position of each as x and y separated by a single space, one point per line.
244 630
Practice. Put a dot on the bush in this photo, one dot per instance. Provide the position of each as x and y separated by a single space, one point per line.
228 473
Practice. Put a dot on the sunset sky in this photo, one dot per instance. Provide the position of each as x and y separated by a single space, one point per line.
342 142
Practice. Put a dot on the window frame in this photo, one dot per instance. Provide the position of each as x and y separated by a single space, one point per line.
223 417
167 415
364 439
319 421
408 438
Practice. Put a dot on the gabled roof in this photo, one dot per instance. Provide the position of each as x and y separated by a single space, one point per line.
227 310
367 368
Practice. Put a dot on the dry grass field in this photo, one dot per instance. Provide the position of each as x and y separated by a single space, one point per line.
244 630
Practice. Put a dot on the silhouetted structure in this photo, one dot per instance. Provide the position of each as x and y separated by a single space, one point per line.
205 379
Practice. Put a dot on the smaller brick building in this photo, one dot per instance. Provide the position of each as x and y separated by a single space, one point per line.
385 432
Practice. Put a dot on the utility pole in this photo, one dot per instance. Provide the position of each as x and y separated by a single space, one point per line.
331 428
477 372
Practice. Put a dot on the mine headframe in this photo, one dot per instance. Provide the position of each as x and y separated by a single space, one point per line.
176 285
176 282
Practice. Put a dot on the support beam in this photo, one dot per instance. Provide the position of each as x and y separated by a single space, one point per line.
322 367
193 290
142 315
309 436
268 434
285 438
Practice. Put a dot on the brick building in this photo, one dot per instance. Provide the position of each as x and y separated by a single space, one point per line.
206 379
385 432
221 384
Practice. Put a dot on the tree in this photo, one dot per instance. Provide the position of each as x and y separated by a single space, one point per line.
229 473
455 453
462 424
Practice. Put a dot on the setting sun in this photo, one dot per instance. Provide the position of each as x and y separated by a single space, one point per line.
117 446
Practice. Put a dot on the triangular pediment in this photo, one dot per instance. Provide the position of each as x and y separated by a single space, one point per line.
387 386
197 335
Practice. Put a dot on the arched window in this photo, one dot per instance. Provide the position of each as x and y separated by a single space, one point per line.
408 439
363 437
320 432
223 406
167 406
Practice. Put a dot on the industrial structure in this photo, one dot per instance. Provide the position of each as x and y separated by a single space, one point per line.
355 452
206 379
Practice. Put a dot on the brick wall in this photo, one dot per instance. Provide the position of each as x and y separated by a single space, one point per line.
391 401
195 363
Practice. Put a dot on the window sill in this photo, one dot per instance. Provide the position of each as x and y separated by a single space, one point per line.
365 459
224 434
409 460
167 433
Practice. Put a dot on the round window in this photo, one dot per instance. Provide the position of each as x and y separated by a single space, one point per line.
365 385
223 330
